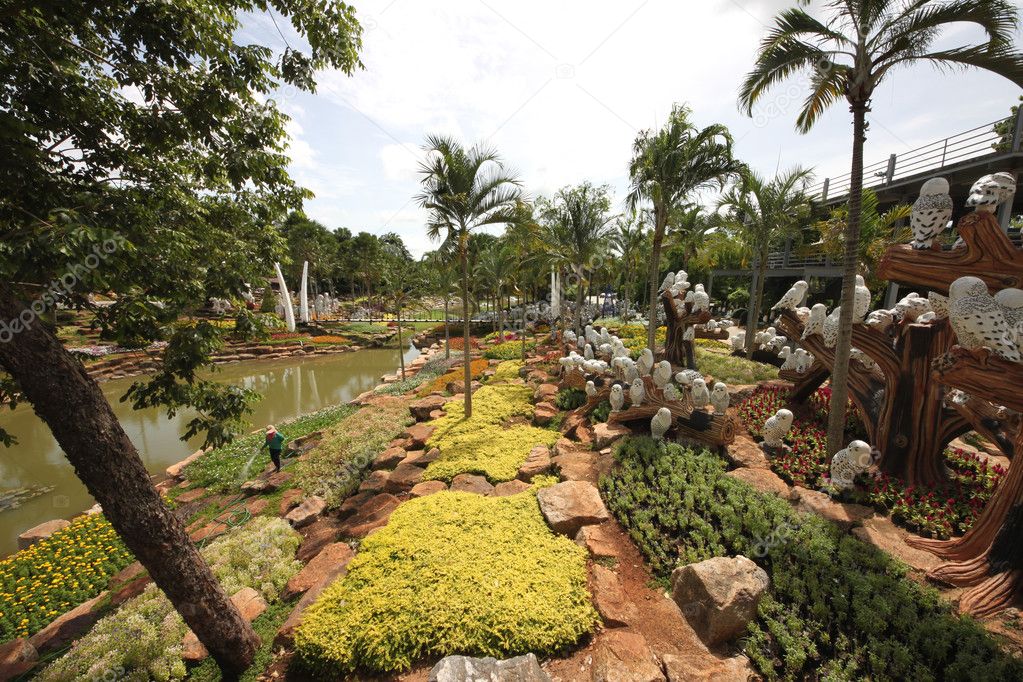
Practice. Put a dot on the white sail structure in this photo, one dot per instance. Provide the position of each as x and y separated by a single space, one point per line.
289 312
303 295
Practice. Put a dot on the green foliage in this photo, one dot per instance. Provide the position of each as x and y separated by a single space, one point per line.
335 468
54 575
509 350
731 369
482 444
428 372
451 573
227 467
601 412
570 398
266 627
836 603
142 640
507 370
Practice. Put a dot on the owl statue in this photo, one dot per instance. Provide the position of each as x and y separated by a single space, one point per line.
637 391
660 423
850 462
990 191
719 398
645 363
861 304
793 297
591 389
815 323
931 213
662 373
671 393
617 398
788 359
978 320
701 396
776 428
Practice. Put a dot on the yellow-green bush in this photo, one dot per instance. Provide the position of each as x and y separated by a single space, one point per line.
482 444
451 573
508 370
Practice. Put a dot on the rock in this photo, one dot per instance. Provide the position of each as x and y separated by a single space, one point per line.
465 669
624 657
316 536
745 452
763 480
375 482
373 514
403 478
572 422
69 626
422 408
598 540
418 434
17 657
544 413
422 459
609 597
604 434
353 503
389 458
289 500
570 505
545 392
264 485
575 464
257 505
427 488
886 536
191 495
307 512
538 462
41 532
695 669
471 483
845 516
286 634
719 596
249 603
209 531
584 434
330 562
436 414
510 488
176 470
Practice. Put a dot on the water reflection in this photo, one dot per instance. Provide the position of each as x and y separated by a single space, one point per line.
289 388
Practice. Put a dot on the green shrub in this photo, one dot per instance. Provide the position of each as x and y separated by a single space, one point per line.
335 468
838 608
226 468
601 412
509 350
483 444
451 573
733 370
142 640
570 398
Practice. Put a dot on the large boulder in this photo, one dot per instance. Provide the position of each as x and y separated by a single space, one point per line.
330 562
544 413
428 488
389 458
307 512
17 657
604 434
471 483
403 478
696 668
418 434
763 480
465 669
598 540
622 656
69 626
538 462
373 514
41 532
570 505
422 408
719 596
510 488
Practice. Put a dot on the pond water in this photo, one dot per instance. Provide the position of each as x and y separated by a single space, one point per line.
289 387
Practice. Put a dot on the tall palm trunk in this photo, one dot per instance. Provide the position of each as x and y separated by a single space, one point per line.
447 330
580 293
466 349
840 373
756 301
401 346
655 271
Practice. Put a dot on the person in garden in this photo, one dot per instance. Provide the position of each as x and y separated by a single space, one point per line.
274 441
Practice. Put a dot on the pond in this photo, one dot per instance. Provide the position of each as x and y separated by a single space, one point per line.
289 387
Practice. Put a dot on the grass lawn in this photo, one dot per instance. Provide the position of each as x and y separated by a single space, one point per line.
724 366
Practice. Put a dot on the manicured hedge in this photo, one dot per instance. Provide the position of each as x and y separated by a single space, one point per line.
451 573
838 608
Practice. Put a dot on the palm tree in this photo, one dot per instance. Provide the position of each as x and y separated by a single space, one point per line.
759 213
575 231
496 269
444 281
848 55
689 226
465 189
667 167
630 239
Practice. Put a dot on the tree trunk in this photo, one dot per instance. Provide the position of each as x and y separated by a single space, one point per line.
655 272
840 371
401 346
106 461
447 331
466 348
756 301
580 292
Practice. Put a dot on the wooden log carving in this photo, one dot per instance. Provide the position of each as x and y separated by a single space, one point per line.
989 254
804 385
678 316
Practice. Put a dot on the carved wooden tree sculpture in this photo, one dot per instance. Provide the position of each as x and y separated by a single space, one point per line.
679 316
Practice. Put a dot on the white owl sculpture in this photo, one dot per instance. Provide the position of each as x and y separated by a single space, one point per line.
588 352
671 393
631 373
861 305
591 389
815 324
669 280
700 394
862 358
776 428
850 462
803 361
793 297
990 191
803 314
830 330
977 319
645 363
719 398
1011 303
939 304
662 373
788 359
687 376
689 334
701 300
660 423
931 213
738 342
911 307
637 392
881 320
617 398
690 297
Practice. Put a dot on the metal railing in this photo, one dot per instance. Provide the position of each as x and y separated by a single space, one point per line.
792 259
975 143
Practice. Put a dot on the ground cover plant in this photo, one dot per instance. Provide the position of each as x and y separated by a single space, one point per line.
941 511
226 468
451 573
142 640
837 609
509 350
335 468
56 574
457 374
428 372
484 444
733 370
570 398
507 370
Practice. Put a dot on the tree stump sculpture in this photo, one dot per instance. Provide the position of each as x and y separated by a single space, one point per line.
679 317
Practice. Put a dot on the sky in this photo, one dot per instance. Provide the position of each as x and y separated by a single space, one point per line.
561 89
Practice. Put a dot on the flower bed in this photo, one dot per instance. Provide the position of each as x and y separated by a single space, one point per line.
428 372
482 444
838 608
501 336
329 338
54 575
507 370
458 342
142 640
451 573
476 368
509 350
940 512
